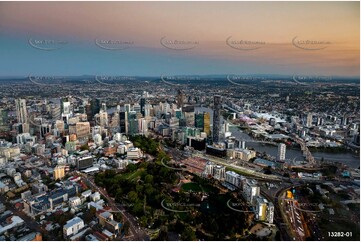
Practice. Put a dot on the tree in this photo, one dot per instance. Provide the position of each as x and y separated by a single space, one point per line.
148 179
138 208
188 234
131 167
118 193
139 188
132 196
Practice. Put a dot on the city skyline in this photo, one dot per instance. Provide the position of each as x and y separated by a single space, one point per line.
180 121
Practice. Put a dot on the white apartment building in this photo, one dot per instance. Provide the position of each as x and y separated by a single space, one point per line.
73 226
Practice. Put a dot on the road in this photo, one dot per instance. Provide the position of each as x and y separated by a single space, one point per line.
30 223
136 233
241 169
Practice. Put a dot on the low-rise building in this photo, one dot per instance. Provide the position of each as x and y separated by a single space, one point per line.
242 154
74 202
73 226
134 153
106 219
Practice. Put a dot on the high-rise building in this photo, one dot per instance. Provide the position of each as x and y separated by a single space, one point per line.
55 111
264 210
137 108
216 118
234 178
103 118
142 126
281 155
82 130
261 208
59 172
189 116
60 126
114 123
104 107
180 98
147 110
95 106
133 123
219 172
21 111
250 190
127 107
309 120
4 120
66 108
207 123
199 121
142 106
173 122
123 122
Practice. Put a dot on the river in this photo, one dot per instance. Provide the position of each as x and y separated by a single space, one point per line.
348 158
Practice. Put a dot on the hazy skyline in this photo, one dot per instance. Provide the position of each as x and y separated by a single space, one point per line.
208 24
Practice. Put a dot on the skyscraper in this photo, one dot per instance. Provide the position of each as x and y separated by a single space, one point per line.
199 120
216 118
281 152
133 123
142 106
94 106
21 112
82 130
4 120
127 107
189 116
65 105
123 122
103 119
207 123
309 120
180 99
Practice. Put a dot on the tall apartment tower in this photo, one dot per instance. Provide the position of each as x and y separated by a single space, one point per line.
21 112
309 120
216 118
281 155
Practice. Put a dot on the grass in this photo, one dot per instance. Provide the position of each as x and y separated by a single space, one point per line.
134 175
192 186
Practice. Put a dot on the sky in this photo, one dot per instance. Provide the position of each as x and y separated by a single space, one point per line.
179 38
